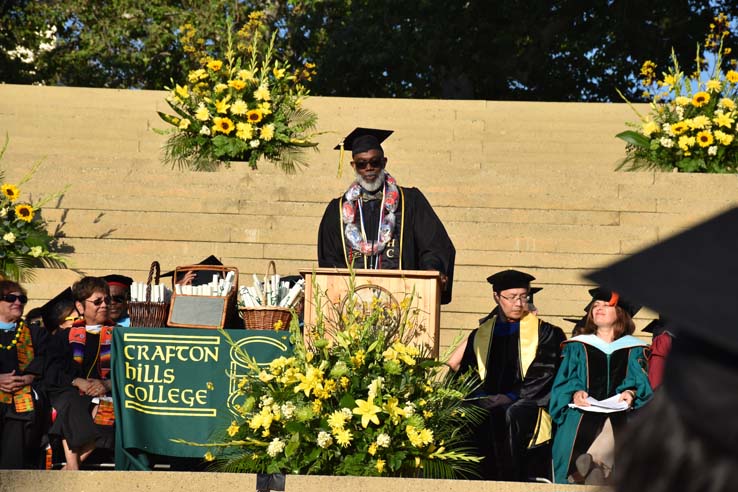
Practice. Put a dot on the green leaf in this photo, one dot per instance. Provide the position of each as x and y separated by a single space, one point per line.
635 138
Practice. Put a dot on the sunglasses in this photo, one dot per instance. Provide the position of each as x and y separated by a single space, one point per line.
11 298
99 301
118 299
376 164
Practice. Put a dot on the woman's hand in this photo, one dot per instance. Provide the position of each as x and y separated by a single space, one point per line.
96 387
628 396
580 398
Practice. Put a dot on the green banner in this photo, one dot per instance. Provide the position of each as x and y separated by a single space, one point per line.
171 383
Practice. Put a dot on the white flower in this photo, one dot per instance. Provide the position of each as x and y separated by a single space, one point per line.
666 128
409 409
666 142
3 212
324 439
347 412
275 447
9 237
712 150
254 144
288 409
375 386
36 251
383 440
266 400
680 112
204 130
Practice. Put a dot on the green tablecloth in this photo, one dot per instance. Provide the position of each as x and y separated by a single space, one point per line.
171 383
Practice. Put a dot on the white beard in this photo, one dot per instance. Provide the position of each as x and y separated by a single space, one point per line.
371 187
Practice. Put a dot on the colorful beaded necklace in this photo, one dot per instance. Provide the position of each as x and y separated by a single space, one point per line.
14 342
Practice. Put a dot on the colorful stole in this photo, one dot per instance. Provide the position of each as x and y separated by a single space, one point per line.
78 339
23 398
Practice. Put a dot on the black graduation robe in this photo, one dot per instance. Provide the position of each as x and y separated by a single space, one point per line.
21 433
74 421
425 243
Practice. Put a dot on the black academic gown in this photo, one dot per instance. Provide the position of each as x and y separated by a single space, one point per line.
515 435
425 243
21 433
74 421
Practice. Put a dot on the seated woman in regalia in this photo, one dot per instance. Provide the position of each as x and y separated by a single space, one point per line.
79 375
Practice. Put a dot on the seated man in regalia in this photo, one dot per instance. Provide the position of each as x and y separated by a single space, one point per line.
516 356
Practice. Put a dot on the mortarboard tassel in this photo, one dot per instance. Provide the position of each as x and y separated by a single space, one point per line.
340 160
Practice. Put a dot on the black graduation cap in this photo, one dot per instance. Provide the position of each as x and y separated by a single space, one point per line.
614 298
118 279
658 325
689 278
56 308
210 260
532 291
363 139
510 279
201 276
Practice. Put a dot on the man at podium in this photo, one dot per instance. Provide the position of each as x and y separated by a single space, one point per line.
377 224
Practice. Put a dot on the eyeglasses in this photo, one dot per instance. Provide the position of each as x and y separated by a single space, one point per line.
118 299
99 300
523 298
11 298
376 163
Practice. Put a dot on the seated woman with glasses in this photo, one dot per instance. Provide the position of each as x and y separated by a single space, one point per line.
604 362
22 404
79 370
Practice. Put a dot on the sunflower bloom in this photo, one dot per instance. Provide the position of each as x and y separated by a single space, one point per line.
704 138
24 212
732 76
223 125
215 65
700 99
679 128
11 192
254 116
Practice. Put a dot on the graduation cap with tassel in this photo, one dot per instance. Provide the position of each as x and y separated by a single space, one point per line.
361 140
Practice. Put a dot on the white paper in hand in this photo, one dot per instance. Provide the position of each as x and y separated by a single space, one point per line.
610 405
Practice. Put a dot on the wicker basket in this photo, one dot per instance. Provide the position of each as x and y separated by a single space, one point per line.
149 314
265 317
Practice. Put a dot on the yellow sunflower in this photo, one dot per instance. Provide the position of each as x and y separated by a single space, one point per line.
11 192
679 128
237 84
700 99
24 212
215 65
223 125
704 138
732 76
254 116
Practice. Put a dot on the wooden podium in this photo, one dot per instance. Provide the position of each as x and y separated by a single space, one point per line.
426 285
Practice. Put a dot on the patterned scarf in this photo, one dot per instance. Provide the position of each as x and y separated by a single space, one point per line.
350 215
23 399
78 339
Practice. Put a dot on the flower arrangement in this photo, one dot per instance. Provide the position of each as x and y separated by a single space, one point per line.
359 399
24 241
691 125
243 107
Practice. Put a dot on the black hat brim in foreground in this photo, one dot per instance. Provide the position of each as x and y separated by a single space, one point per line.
689 278
210 260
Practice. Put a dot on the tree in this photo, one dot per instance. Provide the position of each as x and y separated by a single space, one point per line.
561 50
